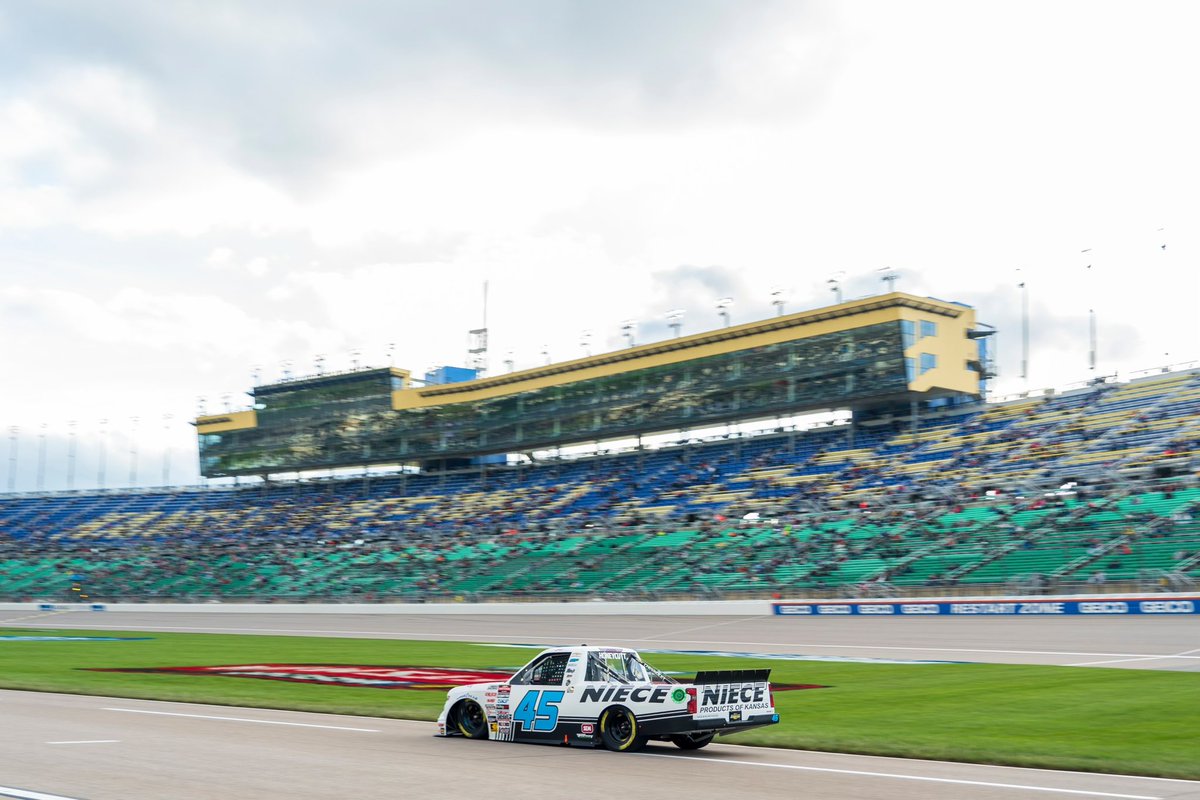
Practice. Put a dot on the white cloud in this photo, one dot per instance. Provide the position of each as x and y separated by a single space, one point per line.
338 181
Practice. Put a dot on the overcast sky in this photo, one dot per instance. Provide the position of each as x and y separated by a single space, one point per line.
190 191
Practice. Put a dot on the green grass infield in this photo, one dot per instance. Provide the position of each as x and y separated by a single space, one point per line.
1143 722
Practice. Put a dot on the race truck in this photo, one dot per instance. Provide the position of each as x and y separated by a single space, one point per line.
608 697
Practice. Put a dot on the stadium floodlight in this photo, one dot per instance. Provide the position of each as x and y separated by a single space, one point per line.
723 310
629 331
675 321
778 300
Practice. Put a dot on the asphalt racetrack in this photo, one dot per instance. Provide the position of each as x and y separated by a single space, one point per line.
96 748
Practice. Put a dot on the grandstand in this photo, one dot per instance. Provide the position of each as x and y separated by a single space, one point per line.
924 489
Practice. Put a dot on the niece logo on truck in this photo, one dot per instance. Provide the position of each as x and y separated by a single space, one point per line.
374 677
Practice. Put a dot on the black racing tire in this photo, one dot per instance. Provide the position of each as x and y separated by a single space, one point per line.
469 719
619 730
692 741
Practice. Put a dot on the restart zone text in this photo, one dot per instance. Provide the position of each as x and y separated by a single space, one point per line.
609 697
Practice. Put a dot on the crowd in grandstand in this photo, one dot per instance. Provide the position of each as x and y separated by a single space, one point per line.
1087 488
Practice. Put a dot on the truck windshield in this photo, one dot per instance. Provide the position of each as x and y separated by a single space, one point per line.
623 668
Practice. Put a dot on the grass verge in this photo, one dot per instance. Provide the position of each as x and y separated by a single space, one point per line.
1144 722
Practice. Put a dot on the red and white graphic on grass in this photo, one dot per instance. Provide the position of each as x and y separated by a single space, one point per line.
377 677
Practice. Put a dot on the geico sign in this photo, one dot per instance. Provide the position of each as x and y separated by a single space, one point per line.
1167 607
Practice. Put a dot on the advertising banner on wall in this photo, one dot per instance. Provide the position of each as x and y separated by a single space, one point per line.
991 607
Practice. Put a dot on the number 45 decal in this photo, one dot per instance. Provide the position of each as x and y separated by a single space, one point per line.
538 710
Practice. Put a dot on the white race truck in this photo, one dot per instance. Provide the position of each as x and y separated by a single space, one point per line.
607 696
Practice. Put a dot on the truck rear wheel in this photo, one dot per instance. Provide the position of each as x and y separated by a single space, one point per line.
619 730
692 741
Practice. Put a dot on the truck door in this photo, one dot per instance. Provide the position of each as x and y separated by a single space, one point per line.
537 694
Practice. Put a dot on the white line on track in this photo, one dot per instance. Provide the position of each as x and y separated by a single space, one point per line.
698 628
242 719
34 616
488 637
26 794
1184 654
89 741
898 776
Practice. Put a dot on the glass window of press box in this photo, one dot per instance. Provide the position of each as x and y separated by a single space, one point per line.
756 382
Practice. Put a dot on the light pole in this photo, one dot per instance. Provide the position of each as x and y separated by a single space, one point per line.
629 331
675 321
835 285
71 443
287 369
319 363
508 362
103 453
166 467
546 353
1024 332
1091 315
355 356
41 468
391 353
256 375
585 341
723 310
133 451
778 301
13 431
889 276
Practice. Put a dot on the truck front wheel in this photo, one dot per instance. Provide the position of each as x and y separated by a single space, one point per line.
692 741
470 720
619 730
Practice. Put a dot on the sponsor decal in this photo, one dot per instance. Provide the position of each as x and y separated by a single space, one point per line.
587 728
720 694
723 695
375 677
75 638
735 716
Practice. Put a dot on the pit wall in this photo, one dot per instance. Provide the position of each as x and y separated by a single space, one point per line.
1084 605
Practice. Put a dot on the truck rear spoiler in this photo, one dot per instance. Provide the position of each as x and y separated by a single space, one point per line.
732 676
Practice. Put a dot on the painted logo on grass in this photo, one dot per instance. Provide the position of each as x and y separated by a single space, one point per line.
373 677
